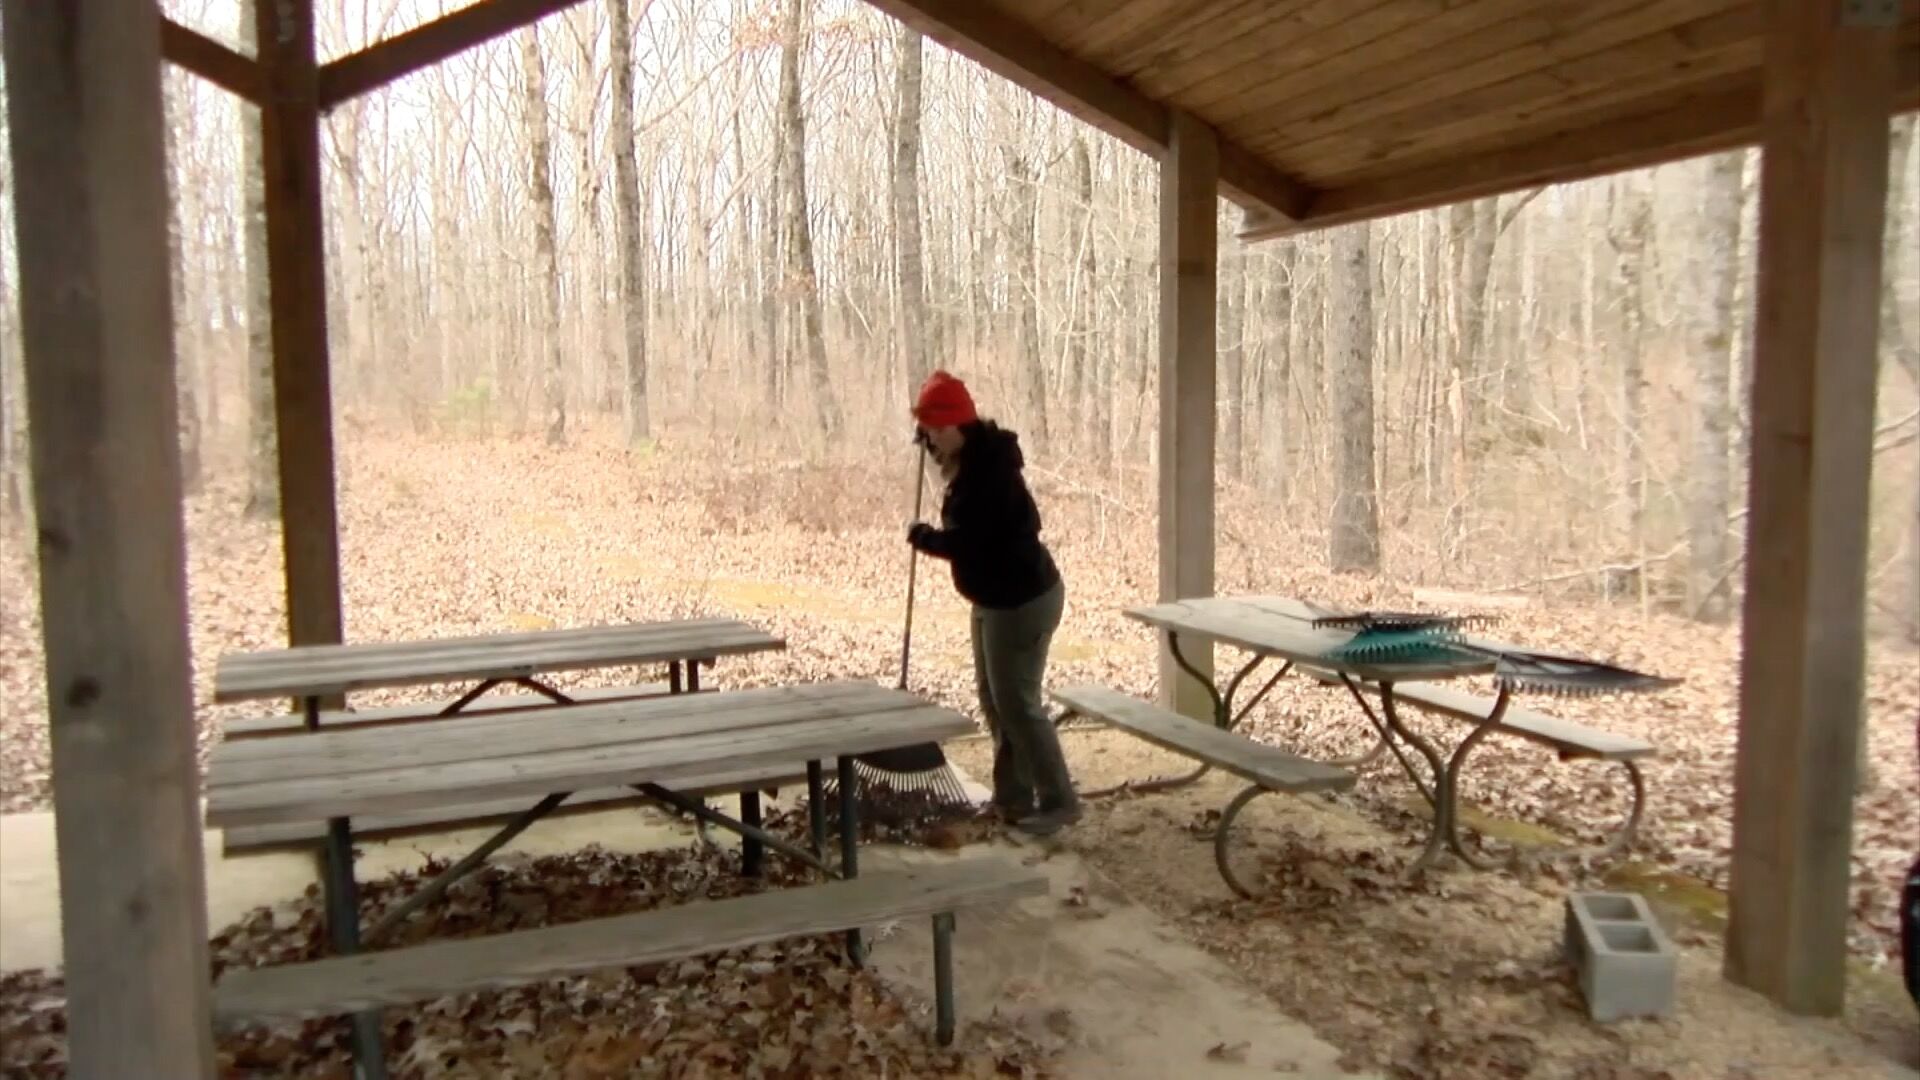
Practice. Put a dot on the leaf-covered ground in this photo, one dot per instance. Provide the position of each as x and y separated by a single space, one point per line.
783 1011
451 537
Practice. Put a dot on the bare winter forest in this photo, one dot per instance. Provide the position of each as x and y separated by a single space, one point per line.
626 311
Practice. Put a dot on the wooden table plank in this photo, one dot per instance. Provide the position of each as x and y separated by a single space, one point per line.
322 670
593 762
1288 635
348 752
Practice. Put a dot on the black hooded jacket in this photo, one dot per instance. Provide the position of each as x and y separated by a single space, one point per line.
990 527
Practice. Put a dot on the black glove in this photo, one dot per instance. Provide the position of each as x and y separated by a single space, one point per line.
920 535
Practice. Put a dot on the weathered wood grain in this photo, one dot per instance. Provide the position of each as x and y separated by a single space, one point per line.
1265 765
321 670
398 976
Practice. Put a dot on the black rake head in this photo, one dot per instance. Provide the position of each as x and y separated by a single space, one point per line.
1570 676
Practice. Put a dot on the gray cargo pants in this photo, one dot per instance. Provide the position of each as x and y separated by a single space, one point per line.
1009 662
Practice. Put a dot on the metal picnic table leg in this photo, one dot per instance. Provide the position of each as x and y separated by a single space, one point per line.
470 862
1442 798
1458 762
706 814
850 846
1224 717
943 978
751 851
343 935
817 808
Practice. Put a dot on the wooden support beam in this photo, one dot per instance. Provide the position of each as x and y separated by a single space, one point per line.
423 46
90 210
302 386
209 59
1016 53
1823 189
1189 255
1719 120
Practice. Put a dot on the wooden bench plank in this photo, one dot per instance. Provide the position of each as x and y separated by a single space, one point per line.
442 819
398 976
252 727
1568 738
323 670
1265 765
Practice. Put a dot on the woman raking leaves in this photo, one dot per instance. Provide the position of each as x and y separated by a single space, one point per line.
989 533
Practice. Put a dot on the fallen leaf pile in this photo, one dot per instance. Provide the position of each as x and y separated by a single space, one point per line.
447 536
790 1009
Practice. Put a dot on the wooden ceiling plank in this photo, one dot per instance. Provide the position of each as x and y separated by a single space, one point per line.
1020 54
1090 30
1213 23
1453 69
1455 53
1725 117
1264 50
423 46
1575 87
207 58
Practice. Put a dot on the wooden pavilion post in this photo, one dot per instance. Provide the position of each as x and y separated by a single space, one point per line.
1189 190
296 272
90 209
1829 80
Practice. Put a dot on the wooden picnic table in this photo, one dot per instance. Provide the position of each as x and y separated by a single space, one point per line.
653 745
310 673
1282 628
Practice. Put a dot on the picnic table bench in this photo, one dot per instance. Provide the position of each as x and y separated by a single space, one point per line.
343 984
1268 768
1309 638
661 747
1569 740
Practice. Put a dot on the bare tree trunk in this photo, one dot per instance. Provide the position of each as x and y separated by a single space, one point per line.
13 401
1090 417
1472 240
773 283
1632 230
1899 336
1710 492
1354 535
179 133
915 360
1023 282
350 272
1278 384
633 267
1233 357
540 182
801 276
263 467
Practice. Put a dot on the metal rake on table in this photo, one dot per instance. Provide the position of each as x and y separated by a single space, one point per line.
1389 637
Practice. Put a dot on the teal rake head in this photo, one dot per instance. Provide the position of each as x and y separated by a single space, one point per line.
1401 646
1570 676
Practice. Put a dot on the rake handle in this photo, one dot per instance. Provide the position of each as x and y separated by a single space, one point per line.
913 559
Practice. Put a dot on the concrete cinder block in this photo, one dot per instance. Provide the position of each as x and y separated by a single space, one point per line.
1625 961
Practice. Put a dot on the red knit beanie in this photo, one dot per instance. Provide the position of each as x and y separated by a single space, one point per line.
944 402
